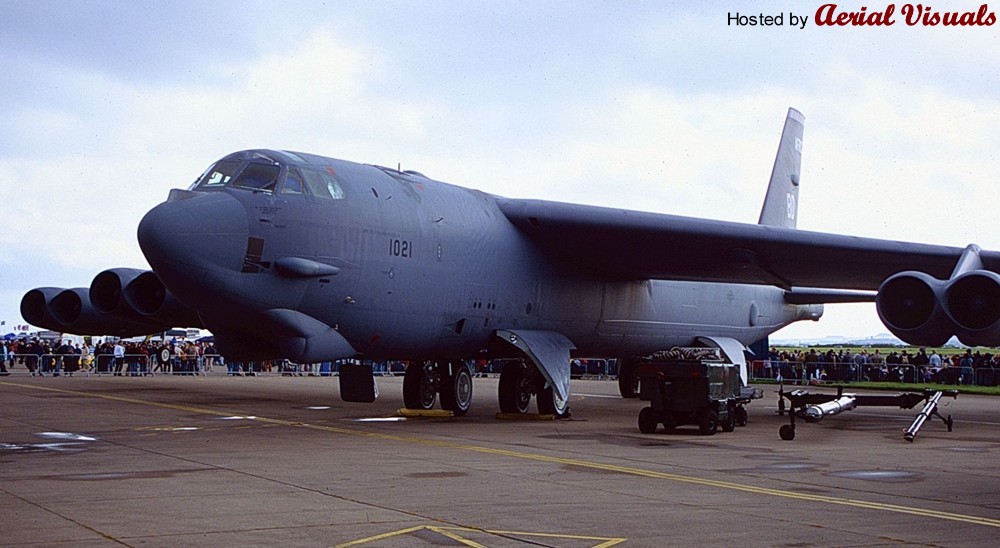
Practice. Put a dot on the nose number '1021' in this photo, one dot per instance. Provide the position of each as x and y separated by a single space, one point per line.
400 248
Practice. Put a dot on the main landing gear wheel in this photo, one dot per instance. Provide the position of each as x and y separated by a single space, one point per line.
516 386
628 381
456 390
549 403
420 385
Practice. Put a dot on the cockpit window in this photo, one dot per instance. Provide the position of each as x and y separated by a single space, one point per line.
293 182
218 175
322 182
257 176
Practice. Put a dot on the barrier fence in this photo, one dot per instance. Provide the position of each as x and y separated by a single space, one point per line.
788 372
804 373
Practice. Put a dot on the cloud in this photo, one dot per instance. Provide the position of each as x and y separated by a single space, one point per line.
657 108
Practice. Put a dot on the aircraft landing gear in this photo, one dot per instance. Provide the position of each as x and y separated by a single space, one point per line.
549 403
520 381
420 385
423 382
516 387
456 390
628 381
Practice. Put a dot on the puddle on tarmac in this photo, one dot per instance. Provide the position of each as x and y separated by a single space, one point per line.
437 475
887 476
967 449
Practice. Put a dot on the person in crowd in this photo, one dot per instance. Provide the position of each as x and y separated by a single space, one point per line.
5 354
119 354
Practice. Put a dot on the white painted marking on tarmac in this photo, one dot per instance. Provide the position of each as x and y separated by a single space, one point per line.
238 418
318 407
599 396
65 436
381 419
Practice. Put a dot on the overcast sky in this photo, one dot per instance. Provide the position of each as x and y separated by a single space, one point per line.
658 106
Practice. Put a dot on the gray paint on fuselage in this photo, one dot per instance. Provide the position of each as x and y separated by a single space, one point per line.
428 269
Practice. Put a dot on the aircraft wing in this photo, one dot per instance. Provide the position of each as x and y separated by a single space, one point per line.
623 244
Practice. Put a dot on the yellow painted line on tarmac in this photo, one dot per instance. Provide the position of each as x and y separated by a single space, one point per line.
537 457
453 534
456 537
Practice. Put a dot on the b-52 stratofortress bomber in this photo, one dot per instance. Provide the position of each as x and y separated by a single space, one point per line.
292 255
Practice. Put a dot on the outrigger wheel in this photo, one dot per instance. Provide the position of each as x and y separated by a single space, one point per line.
787 432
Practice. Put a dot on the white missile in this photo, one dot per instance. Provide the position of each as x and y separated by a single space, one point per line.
815 413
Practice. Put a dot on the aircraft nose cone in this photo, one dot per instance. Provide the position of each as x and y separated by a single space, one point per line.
195 230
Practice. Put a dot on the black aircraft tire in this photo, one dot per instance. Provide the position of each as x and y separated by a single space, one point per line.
628 383
708 422
513 394
416 392
787 432
549 404
647 420
456 391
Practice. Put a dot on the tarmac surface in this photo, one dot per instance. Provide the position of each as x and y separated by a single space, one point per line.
268 461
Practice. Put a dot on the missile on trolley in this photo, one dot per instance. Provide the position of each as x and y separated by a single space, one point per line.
930 408
816 412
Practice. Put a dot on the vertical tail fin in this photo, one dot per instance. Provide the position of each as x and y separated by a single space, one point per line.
781 204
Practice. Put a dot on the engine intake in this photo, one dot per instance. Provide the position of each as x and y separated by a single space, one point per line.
149 297
910 306
972 300
35 308
925 311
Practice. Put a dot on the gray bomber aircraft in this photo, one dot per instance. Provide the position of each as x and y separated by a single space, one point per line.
291 255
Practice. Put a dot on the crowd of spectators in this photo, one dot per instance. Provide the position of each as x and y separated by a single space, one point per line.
63 357
812 366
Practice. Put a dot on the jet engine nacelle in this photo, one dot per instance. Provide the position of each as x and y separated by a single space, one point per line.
972 301
910 304
35 308
73 310
107 291
148 296
925 311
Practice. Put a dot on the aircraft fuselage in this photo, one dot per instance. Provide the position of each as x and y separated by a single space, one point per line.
420 270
